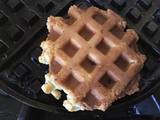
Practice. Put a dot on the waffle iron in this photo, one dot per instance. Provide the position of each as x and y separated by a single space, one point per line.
23 27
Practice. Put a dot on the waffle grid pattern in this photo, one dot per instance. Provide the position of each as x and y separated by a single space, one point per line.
88 55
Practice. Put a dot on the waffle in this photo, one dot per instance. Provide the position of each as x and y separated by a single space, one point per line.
91 58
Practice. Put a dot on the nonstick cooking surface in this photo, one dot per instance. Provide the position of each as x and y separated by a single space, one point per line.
23 27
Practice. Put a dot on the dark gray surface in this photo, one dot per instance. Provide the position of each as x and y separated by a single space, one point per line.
9 108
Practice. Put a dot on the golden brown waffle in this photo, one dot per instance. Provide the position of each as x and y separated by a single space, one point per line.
90 57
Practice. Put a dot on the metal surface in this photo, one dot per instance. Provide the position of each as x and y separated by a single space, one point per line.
22 28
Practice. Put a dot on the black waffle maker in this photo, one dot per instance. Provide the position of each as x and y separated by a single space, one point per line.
23 27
